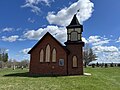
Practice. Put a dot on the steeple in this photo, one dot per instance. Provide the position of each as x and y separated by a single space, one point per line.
75 45
74 30
74 21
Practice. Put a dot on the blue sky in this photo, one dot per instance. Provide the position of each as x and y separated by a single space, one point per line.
24 22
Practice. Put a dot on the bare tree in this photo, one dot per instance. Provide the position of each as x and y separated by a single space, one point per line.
88 55
24 63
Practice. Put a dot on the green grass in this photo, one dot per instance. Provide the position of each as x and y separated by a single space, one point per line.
101 79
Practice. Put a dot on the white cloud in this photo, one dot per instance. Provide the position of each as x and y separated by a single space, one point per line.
64 16
7 29
58 32
84 40
11 38
114 55
33 4
108 54
118 40
105 48
34 9
93 39
21 39
7 50
47 2
25 51
98 40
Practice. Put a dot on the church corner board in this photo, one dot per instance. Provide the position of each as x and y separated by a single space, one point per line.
50 57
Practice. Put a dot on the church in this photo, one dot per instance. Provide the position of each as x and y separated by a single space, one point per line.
50 57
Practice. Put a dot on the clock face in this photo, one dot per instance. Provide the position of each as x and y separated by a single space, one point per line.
78 30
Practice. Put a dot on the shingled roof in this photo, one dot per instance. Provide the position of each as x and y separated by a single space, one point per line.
75 21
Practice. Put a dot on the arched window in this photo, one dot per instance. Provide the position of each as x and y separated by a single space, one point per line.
54 55
47 56
74 36
41 55
74 61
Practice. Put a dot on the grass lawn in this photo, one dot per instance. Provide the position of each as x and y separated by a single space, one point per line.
101 79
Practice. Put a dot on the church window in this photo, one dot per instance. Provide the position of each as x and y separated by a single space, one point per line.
75 61
54 55
47 59
41 55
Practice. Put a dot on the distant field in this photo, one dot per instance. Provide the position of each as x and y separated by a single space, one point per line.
101 79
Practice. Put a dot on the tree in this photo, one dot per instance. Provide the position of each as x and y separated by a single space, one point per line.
92 56
24 63
9 63
3 56
88 55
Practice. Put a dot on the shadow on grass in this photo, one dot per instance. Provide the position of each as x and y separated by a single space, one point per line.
27 74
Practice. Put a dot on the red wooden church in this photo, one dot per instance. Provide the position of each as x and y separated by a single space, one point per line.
50 57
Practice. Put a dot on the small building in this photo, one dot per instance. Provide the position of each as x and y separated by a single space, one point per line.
50 57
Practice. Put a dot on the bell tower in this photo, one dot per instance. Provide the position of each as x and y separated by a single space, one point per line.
74 30
75 45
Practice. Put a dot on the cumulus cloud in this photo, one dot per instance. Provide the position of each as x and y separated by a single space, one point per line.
102 48
110 56
10 39
98 40
114 56
93 39
25 51
64 16
33 4
58 32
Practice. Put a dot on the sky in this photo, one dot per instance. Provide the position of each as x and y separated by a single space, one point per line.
24 22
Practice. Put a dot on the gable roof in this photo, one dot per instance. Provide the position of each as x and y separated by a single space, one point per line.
47 34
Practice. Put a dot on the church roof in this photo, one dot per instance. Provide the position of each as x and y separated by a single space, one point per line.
75 21
64 47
